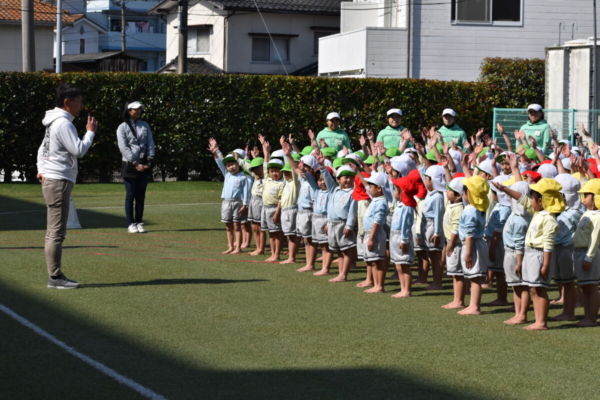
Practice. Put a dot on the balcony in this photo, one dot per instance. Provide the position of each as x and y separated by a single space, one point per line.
134 41
364 53
107 5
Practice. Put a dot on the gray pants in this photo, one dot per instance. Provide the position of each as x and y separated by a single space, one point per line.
57 194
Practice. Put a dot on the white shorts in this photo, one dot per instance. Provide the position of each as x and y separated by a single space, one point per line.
335 236
510 265
266 222
396 255
288 220
319 222
255 209
498 265
561 264
360 247
379 245
453 264
230 211
304 223
427 231
586 277
480 260
532 268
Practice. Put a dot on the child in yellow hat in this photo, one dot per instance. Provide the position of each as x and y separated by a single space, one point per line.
586 255
471 226
546 201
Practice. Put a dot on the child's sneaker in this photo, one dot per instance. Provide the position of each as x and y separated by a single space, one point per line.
140 228
61 282
133 228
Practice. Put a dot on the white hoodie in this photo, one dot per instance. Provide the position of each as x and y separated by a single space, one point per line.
58 154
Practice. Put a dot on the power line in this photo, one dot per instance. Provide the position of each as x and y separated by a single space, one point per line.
271 37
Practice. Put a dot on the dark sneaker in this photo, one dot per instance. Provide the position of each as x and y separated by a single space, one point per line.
62 283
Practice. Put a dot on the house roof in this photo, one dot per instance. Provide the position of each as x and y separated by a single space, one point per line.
309 70
43 13
82 17
320 7
89 57
194 66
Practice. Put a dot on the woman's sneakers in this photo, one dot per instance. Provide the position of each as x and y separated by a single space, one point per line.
136 228
61 282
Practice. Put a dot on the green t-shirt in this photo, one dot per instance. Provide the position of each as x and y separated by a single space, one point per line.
540 132
391 137
454 132
335 139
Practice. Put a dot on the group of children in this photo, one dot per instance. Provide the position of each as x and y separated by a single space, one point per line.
475 210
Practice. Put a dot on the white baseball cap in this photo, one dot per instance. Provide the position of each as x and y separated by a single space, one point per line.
135 105
341 154
333 115
278 154
394 111
534 107
456 185
449 111
378 178
344 168
240 152
310 161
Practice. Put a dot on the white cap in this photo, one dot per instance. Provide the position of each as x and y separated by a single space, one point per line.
135 105
401 167
438 178
333 115
449 111
310 161
405 158
575 149
456 185
570 187
378 178
240 152
534 107
340 153
344 168
486 166
566 162
411 150
354 157
278 154
547 171
275 161
503 198
394 111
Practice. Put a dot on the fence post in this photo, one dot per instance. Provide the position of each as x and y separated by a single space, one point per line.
494 125
572 125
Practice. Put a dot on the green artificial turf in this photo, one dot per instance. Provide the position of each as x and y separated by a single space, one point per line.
168 311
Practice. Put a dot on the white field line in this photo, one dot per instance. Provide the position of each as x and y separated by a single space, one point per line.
103 208
144 391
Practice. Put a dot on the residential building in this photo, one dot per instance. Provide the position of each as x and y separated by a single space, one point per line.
446 40
235 37
83 36
11 44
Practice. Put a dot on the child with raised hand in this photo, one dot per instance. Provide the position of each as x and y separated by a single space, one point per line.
374 220
401 243
432 218
546 201
493 234
235 195
256 169
271 213
453 244
586 256
421 252
240 157
319 220
289 202
341 215
474 258
562 256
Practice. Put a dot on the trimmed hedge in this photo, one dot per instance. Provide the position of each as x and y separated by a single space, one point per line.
185 110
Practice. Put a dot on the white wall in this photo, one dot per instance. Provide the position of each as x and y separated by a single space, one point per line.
454 52
72 35
11 47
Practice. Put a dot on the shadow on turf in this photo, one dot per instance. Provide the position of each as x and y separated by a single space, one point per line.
28 362
35 217
156 282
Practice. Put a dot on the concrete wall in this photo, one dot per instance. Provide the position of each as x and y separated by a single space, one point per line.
72 35
442 50
11 47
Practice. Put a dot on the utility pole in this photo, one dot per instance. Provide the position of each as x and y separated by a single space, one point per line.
183 37
27 33
58 44
123 39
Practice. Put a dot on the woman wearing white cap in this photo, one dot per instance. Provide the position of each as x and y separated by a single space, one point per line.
137 148
537 127
334 136
390 136
450 131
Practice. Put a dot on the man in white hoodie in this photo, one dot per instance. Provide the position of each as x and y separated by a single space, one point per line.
57 170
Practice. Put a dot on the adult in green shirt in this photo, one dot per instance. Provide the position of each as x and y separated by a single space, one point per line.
450 131
334 136
390 136
537 127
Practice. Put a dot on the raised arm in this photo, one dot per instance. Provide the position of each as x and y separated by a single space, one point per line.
501 130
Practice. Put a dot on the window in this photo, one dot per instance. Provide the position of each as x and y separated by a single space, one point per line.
199 40
499 12
81 46
316 40
264 51
131 26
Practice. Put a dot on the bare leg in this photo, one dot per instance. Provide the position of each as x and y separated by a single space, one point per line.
260 238
379 269
436 266
405 274
501 290
327 258
489 280
344 267
276 242
475 302
311 255
238 238
423 265
246 234
541 305
458 284
293 244
369 281
561 294
591 304
353 257
568 298
229 227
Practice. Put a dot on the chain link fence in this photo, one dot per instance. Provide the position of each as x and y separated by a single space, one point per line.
564 123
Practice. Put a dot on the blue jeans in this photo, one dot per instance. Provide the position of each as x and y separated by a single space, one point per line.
135 190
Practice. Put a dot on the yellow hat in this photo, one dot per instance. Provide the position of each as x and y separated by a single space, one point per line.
592 186
509 182
478 192
552 199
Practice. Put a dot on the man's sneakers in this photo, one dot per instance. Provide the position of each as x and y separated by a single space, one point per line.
61 282
136 228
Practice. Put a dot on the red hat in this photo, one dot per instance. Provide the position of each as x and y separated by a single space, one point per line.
415 176
534 175
591 161
458 175
594 170
409 190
